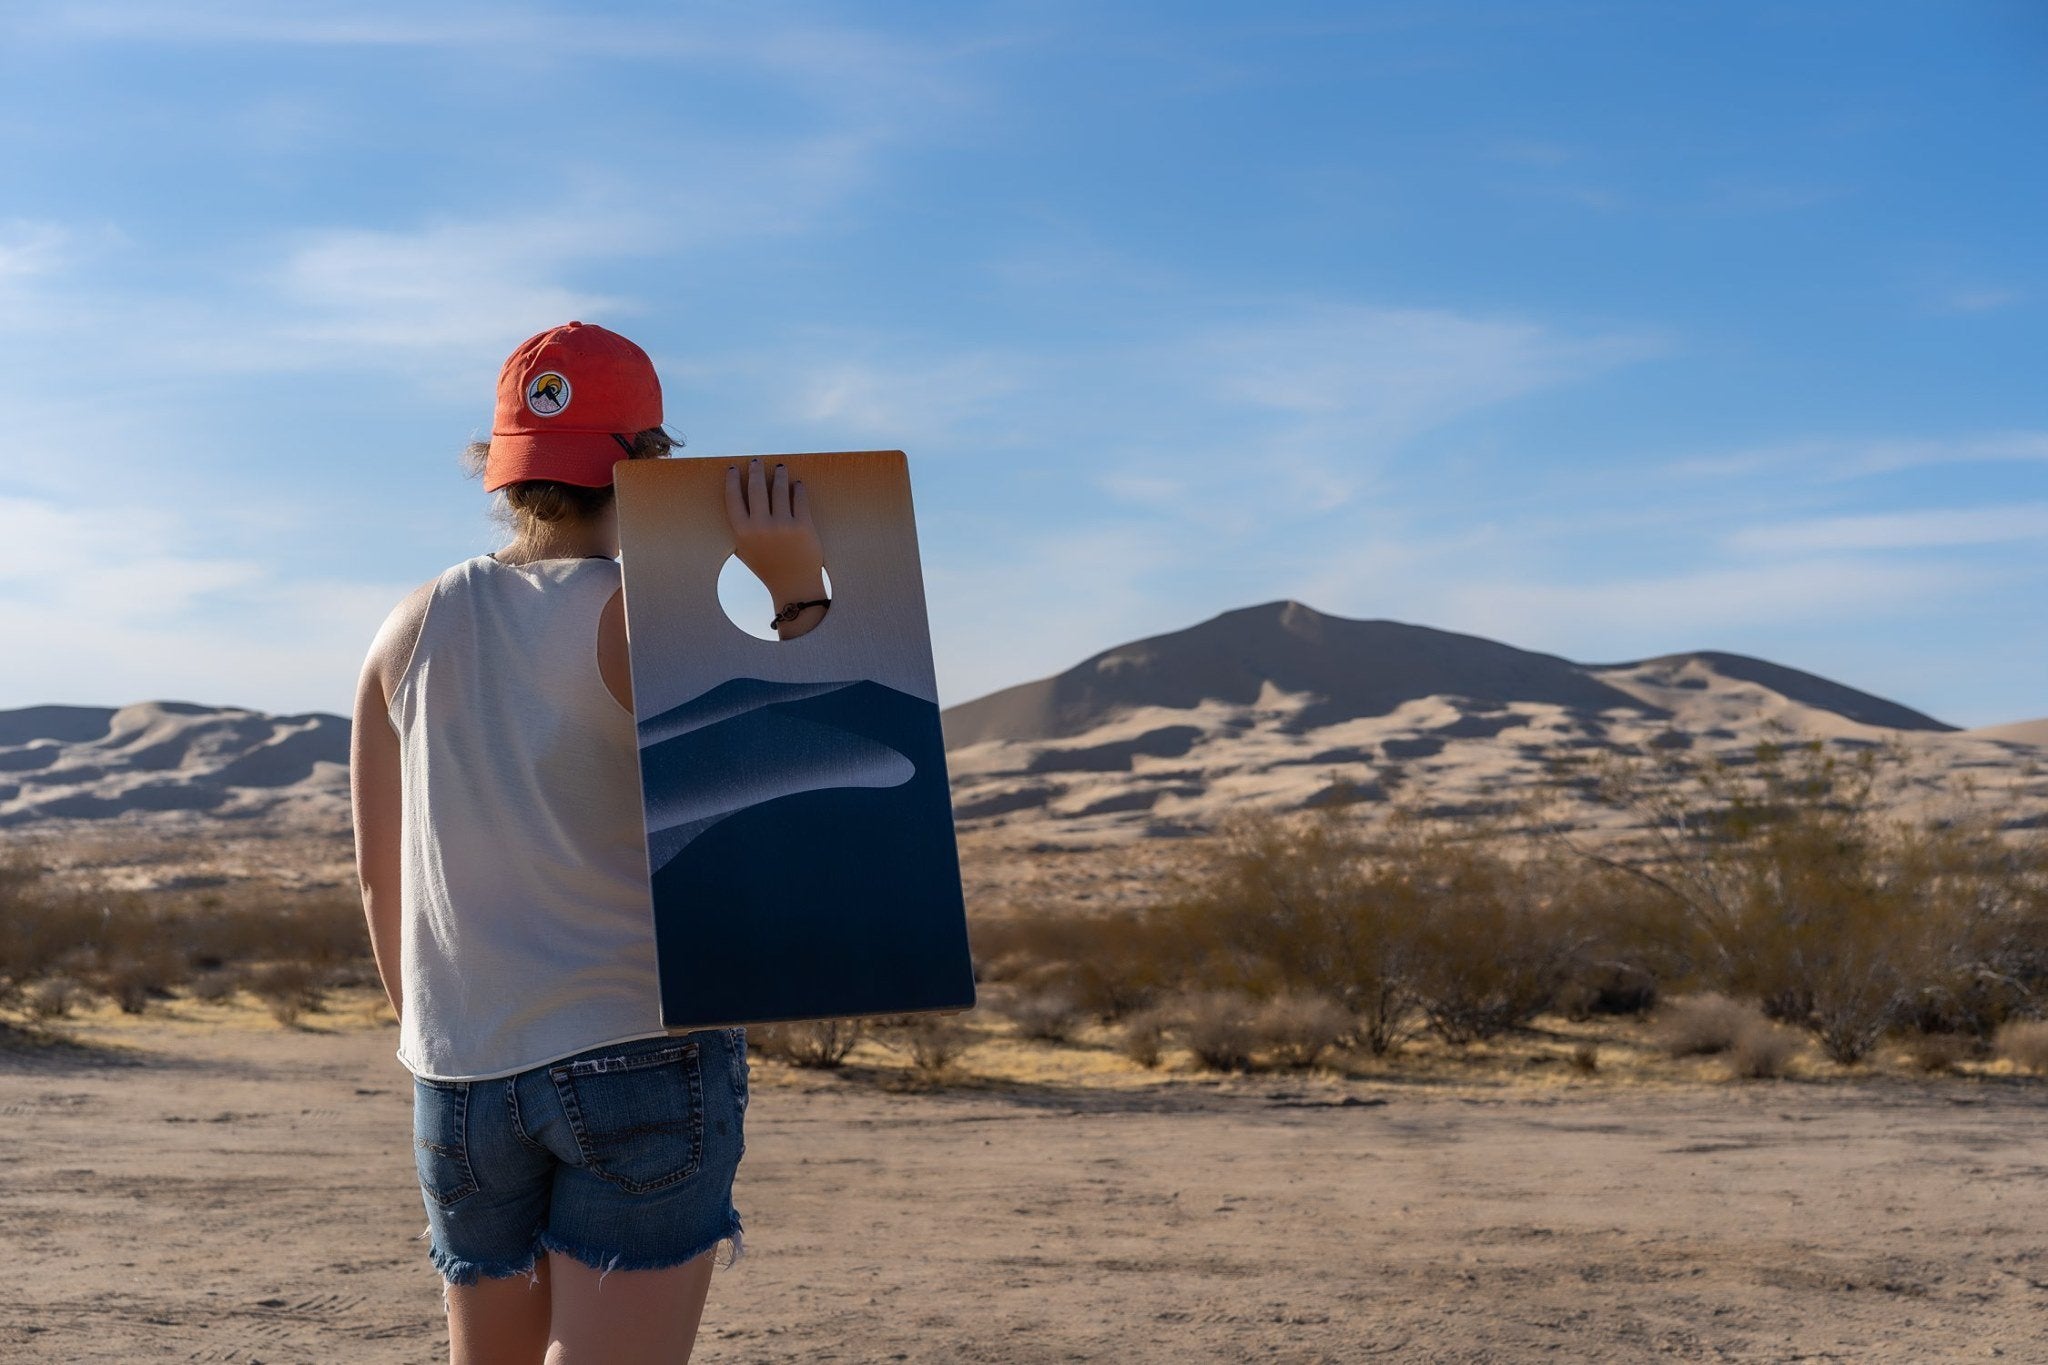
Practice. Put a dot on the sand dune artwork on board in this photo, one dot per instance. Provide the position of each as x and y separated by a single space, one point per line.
800 841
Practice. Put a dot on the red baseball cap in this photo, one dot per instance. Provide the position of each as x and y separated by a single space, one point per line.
562 398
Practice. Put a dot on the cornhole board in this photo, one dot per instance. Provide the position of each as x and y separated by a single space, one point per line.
800 842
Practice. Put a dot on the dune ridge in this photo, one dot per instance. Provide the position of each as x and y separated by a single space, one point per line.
1275 704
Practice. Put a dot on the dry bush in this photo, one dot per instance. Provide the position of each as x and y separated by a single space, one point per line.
1293 903
1611 988
290 989
262 924
1938 1053
1763 1050
215 987
1142 1037
42 927
1586 1059
134 979
1985 898
933 1041
1107 964
1498 940
1791 887
2024 1043
1217 1027
1296 1030
54 997
1703 1025
1048 1016
135 947
819 1044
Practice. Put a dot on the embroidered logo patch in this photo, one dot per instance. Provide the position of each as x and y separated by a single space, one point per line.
548 394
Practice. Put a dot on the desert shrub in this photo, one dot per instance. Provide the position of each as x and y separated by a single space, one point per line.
1048 1016
1937 1053
1762 1050
289 989
1703 1025
41 927
1606 988
1142 1037
1790 886
819 1044
1312 905
1217 1027
254 924
131 979
1106 964
2024 1043
1296 1030
1586 1059
1985 902
54 997
933 1041
1497 943
134 947
215 987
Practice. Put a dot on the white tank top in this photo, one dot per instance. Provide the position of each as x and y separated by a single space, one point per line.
528 923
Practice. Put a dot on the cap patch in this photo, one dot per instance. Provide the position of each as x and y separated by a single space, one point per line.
547 394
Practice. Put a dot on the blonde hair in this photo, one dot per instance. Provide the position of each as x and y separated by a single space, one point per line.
529 501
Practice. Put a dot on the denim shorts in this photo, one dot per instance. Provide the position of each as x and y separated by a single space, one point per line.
620 1156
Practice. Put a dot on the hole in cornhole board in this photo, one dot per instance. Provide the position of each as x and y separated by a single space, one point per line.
745 599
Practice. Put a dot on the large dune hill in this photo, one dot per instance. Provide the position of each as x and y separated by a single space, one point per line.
1274 705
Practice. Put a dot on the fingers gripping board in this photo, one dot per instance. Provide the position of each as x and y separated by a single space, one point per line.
800 842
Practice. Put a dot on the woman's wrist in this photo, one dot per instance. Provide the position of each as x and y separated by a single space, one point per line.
799 589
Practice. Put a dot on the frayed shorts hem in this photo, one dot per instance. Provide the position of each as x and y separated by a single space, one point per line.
456 1270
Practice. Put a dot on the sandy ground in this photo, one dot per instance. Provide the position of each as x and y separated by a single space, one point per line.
184 1190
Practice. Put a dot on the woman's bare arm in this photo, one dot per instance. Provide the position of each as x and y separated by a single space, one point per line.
375 788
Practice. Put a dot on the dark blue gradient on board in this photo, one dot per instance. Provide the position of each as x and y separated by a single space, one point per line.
801 841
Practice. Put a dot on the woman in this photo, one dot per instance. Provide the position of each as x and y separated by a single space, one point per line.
575 1159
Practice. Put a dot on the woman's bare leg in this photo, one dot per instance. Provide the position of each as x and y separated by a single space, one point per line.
501 1320
634 1317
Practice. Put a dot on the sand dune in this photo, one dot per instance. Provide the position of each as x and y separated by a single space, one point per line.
2033 733
87 763
1273 705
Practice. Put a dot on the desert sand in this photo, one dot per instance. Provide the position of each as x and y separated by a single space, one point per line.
199 1184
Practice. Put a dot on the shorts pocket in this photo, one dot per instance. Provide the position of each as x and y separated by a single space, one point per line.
638 1118
440 1139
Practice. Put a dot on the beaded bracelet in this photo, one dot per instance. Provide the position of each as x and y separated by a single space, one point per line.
791 610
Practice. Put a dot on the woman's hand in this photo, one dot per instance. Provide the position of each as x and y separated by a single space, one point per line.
773 535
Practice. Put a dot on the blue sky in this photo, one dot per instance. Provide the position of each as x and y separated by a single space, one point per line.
1607 330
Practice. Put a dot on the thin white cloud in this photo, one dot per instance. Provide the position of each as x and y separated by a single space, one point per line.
813 50
1837 458
450 285
1980 300
30 248
1895 531
113 604
1395 371
1818 591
